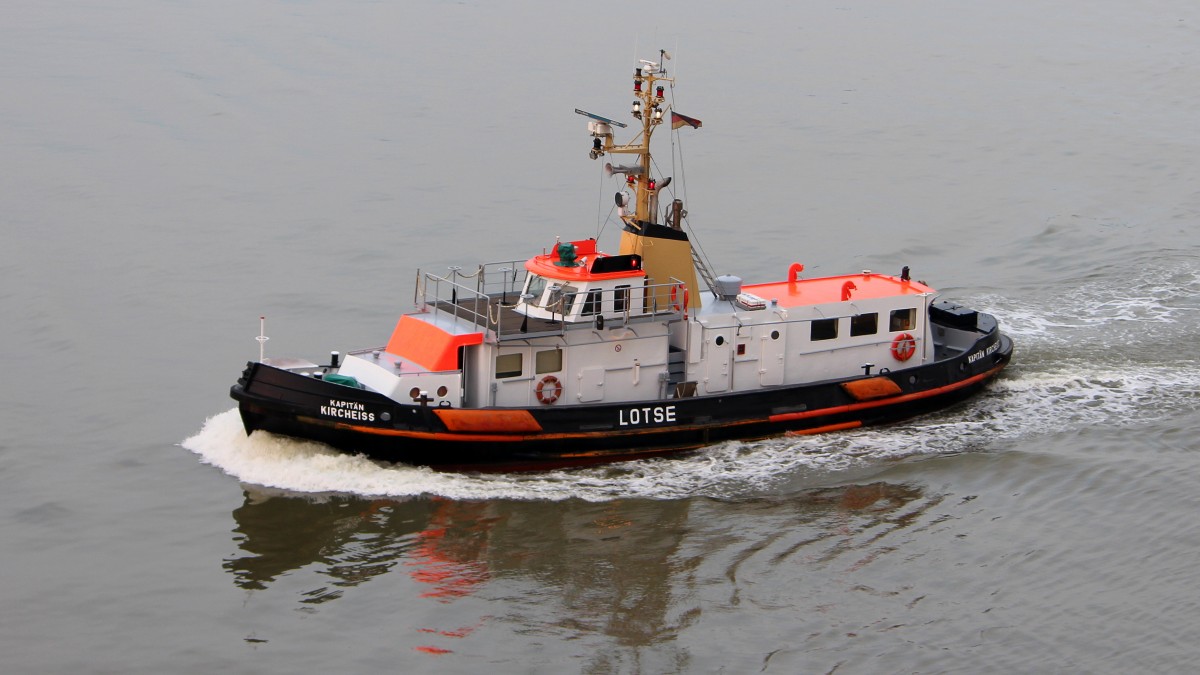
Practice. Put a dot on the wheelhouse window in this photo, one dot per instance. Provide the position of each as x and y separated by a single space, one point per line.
591 303
824 329
548 361
561 300
621 299
864 324
509 365
903 319
535 286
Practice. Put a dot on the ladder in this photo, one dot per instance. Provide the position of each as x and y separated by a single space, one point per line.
702 269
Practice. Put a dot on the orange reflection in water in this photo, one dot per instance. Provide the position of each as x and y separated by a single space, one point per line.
449 557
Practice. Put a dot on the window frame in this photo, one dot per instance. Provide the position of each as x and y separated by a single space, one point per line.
509 373
909 321
864 324
815 335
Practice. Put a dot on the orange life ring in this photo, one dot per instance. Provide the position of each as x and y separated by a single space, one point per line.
675 300
548 390
904 346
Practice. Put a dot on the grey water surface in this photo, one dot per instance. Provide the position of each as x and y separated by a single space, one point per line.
172 171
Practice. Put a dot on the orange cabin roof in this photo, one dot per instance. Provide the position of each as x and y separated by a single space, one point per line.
544 265
428 345
835 289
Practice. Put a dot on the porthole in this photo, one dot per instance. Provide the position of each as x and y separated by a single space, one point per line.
720 340
774 335
442 391
414 393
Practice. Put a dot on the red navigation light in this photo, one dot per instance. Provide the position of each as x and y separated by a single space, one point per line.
659 93
633 263
652 185
630 180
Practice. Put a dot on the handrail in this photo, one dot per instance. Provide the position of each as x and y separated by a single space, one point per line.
497 287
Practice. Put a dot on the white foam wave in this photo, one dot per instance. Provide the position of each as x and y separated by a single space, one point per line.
1026 404
1109 308
279 462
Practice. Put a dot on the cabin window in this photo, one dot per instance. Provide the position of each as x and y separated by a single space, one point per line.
903 319
509 365
547 361
561 299
621 299
824 329
864 324
535 286
591 303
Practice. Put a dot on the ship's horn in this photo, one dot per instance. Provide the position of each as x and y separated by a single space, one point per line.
610 169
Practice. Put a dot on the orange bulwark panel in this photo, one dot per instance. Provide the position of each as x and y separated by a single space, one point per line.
868 390
488 421
428 345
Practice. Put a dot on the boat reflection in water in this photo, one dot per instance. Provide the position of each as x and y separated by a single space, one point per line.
625 573
353 540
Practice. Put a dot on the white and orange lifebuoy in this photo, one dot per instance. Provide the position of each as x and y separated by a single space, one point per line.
548 390
675 300
904 346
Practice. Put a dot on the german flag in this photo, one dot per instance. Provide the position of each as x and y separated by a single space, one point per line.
678 120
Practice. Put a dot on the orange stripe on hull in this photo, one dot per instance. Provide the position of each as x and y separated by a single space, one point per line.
825 429
854 407
512 437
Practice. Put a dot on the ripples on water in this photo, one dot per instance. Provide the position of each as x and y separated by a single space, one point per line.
1082 360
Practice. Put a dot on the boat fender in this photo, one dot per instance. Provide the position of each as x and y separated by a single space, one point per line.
903 347
548 390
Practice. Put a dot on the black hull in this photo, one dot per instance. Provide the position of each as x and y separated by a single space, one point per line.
359 421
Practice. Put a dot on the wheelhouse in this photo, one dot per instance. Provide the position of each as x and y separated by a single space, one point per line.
575 283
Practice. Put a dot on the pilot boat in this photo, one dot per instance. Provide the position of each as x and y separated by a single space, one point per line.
576 355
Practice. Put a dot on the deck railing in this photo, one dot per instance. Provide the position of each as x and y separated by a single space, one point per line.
485 298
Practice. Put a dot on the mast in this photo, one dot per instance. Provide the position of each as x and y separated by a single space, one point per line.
665 248
648 90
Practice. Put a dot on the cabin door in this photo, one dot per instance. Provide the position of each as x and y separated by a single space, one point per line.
719 357
771 357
